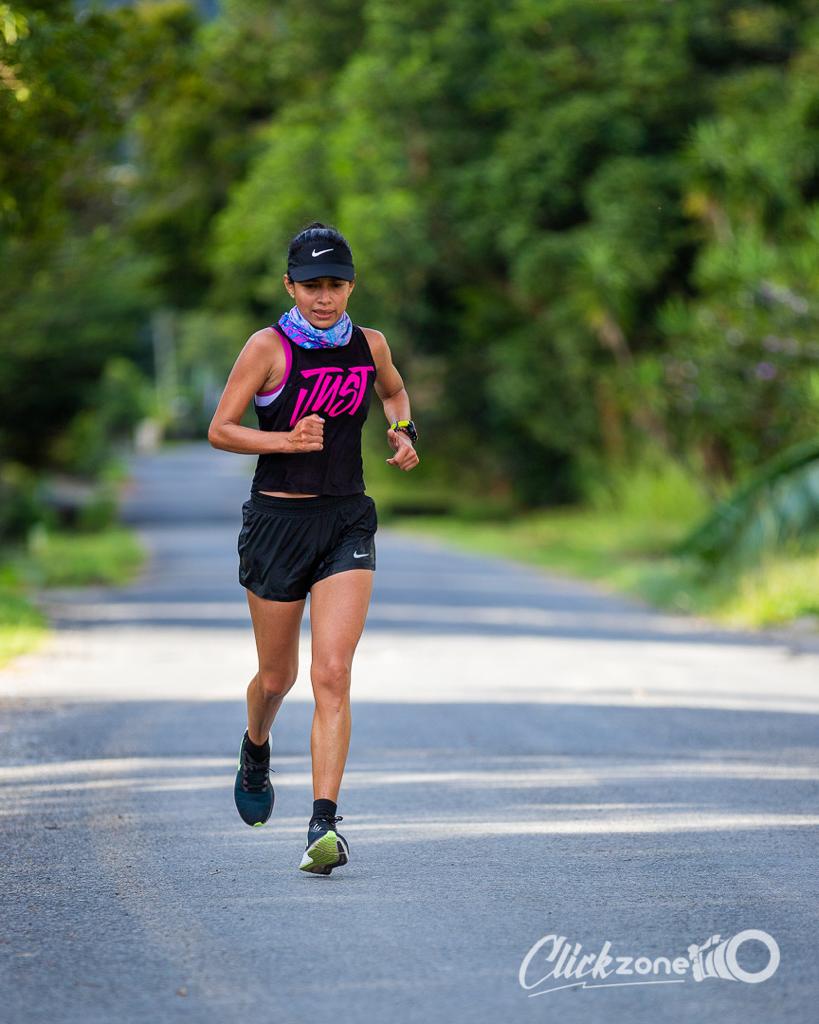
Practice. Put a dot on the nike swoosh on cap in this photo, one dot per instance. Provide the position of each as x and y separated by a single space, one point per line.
321 251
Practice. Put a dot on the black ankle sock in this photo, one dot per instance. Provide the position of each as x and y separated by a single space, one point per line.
258 753
324 809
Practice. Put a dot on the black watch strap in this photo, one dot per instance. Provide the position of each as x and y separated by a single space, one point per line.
407 426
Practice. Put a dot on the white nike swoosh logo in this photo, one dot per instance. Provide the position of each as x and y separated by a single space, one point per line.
356 554
321 251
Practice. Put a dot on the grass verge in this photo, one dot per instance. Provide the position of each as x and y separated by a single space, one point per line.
58 558
627 555
618 536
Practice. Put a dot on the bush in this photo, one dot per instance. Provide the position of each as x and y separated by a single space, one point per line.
653 486
123 397
21 504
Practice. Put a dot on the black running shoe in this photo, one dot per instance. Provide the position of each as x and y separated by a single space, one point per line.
252 790
326 849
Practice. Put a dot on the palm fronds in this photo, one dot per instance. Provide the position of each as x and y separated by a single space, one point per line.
779 502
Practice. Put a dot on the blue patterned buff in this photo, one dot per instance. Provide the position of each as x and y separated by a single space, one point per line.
303 333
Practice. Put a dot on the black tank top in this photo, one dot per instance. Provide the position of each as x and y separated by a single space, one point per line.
337 384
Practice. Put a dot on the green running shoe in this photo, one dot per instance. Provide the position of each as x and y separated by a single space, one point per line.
252 790
326 849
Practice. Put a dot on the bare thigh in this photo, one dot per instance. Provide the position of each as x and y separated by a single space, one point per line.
276 626
338 610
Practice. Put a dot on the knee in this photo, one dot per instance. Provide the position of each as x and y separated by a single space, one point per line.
331 683
274 683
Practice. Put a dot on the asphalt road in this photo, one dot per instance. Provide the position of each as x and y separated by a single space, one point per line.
530 757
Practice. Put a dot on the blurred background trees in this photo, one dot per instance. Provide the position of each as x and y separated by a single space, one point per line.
589 230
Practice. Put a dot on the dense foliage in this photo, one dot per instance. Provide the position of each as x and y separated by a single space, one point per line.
582 226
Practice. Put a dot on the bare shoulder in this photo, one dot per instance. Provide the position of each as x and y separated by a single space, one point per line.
378 343
388 380
265 350
266 338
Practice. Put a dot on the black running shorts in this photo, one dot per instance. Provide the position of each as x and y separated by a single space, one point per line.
288 544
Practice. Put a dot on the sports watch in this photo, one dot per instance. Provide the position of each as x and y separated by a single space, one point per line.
407 426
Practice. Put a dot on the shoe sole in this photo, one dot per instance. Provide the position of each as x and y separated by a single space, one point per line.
325 854
253 824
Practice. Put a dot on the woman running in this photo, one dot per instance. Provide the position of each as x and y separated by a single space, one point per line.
308 525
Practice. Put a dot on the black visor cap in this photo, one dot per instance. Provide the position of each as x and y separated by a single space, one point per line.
324 258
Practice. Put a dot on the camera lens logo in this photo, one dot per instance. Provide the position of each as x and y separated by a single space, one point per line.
715 959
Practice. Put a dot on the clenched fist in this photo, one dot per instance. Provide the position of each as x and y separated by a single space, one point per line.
405 457
307 435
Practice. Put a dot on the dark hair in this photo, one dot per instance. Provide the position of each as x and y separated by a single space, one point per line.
315 232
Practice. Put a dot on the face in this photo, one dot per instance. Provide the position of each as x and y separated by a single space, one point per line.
321 301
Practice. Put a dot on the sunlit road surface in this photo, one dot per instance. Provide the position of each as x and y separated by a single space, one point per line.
530 757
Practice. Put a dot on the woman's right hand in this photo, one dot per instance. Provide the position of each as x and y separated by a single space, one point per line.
307 435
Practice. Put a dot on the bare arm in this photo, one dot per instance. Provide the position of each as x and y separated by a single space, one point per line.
260 356
389 385
390 389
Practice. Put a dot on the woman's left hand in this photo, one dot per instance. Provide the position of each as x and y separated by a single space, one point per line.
405 457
